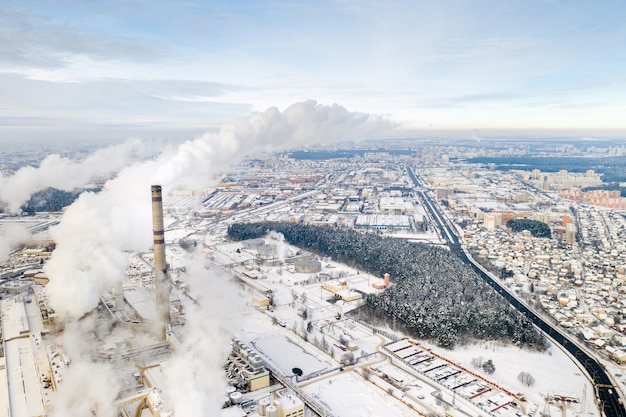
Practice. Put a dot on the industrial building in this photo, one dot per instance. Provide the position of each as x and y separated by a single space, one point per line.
15 287
286 404
24 376
246 368
383 222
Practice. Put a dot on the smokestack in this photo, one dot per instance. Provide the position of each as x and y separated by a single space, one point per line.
158 231
161 284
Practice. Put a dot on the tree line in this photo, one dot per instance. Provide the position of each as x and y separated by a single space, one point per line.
434 294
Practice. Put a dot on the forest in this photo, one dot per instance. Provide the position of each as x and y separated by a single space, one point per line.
50 200
434 295
535 227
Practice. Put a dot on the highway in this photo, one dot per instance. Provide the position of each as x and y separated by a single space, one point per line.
606 393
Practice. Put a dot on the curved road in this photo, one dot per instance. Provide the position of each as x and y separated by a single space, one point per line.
608 396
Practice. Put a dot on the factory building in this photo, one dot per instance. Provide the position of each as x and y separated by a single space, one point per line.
287 404
260 301
157 404
340 289
384 284
14 287
37 276
395 206
383 222
335 286
155 378
35 252
246 368
23 384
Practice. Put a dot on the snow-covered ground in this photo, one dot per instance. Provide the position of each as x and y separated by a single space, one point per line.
349 393
285 354
554 373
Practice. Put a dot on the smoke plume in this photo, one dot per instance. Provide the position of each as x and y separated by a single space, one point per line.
64 173
87 388
97 232
194 386
11 235
306 123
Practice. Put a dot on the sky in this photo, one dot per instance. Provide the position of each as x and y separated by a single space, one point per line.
178 67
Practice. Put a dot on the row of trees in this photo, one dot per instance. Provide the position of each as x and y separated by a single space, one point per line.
435 295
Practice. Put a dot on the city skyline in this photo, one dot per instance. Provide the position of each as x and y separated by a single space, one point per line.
174 66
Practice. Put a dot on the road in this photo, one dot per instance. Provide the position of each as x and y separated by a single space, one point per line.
606 393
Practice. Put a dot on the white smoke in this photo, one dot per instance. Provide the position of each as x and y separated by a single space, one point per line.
277 242
97 229
96 232
11 235
306 123
194 386
64 173
87 388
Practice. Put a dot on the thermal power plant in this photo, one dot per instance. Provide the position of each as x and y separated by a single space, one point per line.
161 284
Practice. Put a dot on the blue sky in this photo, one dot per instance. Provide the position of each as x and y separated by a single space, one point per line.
449 64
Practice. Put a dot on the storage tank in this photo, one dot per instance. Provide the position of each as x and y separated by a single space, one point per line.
235 397
230 389
271 411
263 404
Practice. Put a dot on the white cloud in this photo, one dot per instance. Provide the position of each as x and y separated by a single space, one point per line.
277 53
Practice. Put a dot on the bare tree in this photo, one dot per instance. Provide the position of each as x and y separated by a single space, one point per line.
347 358
526 379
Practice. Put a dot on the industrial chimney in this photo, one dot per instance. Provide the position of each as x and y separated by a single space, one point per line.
158 231
161 284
